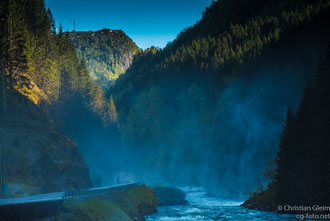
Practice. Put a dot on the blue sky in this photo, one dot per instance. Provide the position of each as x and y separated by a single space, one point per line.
147 22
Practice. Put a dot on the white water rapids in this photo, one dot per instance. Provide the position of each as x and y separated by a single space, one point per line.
204 208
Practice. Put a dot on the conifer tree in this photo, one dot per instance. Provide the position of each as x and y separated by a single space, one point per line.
302 174
15 39
284 175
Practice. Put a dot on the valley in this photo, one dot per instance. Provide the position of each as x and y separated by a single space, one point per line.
234 111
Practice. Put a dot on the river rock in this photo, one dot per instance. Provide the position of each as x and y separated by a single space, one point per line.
169 196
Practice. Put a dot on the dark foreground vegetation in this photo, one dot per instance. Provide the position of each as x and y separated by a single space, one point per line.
301 176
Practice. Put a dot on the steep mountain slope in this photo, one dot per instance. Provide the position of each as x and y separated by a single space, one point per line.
108 53
42 72
39 158
208 109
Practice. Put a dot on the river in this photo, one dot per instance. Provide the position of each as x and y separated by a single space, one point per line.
202 208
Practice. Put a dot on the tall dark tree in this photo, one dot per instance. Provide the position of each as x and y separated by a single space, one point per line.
14 38
37 17
284 177
302 173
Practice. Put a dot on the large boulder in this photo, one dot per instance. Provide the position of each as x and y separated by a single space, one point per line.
169 196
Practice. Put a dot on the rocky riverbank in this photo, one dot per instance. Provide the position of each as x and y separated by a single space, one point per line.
258 202
128 205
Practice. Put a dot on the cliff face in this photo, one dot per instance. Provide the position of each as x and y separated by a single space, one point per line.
39 158
108 53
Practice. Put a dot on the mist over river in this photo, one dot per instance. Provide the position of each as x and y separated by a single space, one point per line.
202 207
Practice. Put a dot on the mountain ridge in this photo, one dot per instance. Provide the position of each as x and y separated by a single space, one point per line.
108 53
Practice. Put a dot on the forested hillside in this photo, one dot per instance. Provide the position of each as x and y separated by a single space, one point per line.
207 109
39 158
44 79
33 51
108 53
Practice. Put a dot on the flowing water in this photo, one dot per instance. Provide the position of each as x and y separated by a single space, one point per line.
202 208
